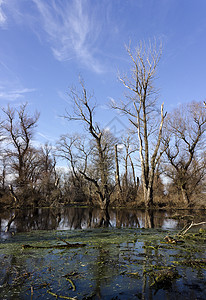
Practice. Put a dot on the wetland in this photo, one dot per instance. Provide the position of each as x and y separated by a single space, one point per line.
82 253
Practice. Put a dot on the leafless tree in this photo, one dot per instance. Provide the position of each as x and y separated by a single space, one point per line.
74 149
130 148
140 107
48 179
99 139
185 139
19 128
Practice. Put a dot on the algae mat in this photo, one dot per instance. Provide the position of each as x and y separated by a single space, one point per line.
114 264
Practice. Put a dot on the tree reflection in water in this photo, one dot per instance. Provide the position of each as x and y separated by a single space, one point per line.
82 218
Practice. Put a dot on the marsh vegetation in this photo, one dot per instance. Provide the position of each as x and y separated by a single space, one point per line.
122 260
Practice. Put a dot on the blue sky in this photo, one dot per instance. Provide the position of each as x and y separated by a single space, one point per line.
46 44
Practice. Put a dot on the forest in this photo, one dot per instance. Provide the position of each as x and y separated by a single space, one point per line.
159 162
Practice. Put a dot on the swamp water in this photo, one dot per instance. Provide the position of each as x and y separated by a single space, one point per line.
125 260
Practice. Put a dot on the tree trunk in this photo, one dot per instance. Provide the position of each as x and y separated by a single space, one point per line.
104 204
149 219
104 218
117 178
149 199
185 196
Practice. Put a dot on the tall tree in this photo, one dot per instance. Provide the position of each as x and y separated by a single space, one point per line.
76 151
47 175
185 139
19 128
140 107
100 141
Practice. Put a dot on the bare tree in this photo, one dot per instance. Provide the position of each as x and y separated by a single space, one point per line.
185 139
19 128
75 150
129 143
140 107
48 180
99 139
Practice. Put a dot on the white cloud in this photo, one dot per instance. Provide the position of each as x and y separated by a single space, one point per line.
11 95
73 31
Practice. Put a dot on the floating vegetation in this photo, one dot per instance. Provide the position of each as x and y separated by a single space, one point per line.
104 263
164 278
193 263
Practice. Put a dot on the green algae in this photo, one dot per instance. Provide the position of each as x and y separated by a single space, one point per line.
121 263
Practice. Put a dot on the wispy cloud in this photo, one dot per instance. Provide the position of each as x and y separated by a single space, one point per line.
73 31
46 137
11 95
73 28
2 15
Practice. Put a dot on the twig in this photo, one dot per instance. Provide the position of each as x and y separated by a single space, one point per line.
72 283
63 240
59 296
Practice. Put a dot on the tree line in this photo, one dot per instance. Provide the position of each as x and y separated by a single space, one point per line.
160 160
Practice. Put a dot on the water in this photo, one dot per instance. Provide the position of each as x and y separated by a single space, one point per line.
118 262
82 218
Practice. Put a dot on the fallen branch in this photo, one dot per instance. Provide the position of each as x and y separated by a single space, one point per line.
190 226
55 246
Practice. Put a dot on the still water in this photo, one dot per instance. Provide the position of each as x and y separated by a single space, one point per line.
68 218
122 256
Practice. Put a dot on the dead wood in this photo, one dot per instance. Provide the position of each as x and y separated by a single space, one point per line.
67 245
